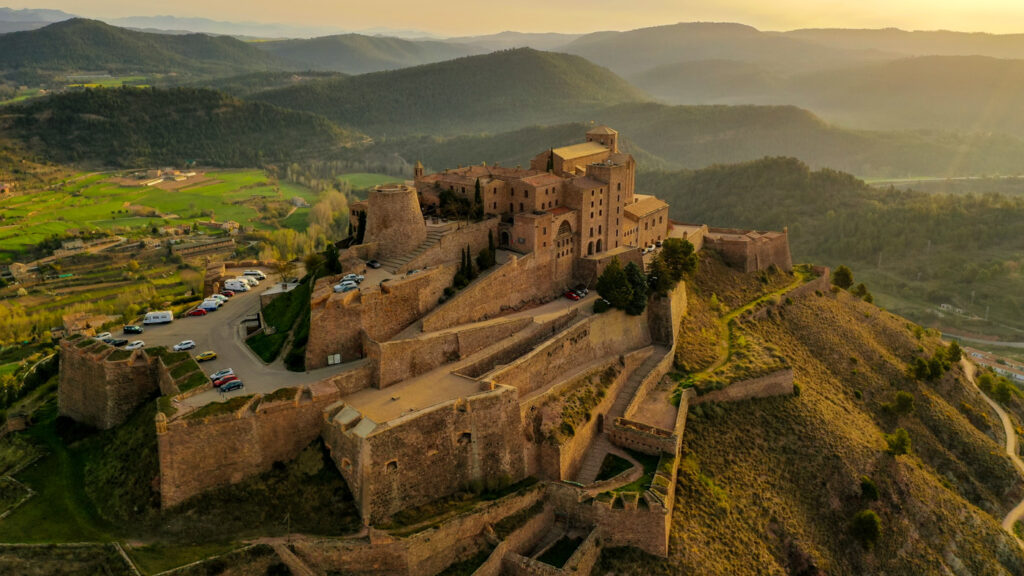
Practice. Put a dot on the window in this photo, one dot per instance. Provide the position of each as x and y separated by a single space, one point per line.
660 218
591 193
391 466
465 438
591 214
591 204
600 212
526 193
513 192
495 206
545 229
591 231
520 206
545 244
600 202
619 187
511 207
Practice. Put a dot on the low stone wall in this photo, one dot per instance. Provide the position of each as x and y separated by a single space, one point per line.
450 246
518 542
195 458
641 437
778 383
403 359
643 528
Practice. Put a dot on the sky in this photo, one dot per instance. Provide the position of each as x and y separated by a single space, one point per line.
473 17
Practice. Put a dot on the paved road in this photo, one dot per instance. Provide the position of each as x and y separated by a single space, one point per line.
990 342
1011 446
222 332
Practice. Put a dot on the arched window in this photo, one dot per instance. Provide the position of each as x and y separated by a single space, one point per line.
590 248
598 244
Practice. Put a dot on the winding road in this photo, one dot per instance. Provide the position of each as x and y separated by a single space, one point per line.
1011 446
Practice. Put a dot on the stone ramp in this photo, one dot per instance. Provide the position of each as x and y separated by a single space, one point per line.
294 563
395 263
625 396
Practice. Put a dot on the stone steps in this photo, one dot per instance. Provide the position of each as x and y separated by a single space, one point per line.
630 387
395 263
592 462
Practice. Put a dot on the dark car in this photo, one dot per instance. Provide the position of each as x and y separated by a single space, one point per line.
233 385
373 264
132 329
118 342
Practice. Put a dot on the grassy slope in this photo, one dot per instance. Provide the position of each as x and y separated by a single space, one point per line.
360 54
770 486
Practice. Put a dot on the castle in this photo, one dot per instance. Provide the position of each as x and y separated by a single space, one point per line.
491 387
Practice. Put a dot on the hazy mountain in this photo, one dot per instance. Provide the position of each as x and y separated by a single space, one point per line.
358 54
493 92
246 84
208 26
958 93
31 15
916 43
509 39
79 44
645 48
133 127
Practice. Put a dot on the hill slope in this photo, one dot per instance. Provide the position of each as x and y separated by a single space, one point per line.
916 42
493 92
359 54
89 45
772 486
133 127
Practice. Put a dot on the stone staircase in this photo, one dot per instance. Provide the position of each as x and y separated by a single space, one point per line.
587 473
294 563
629 388
395 263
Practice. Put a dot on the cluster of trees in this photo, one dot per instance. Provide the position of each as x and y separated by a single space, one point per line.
996 386
627 288
842 277
31 375
933 368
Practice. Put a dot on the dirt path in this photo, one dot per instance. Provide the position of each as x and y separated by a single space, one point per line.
1011 447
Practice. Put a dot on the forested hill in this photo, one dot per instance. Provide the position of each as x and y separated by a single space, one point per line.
359 54
494 92
89 45
148 127
918 249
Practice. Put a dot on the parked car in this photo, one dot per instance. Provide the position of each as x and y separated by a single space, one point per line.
233 385
580 288
218 297
132 329
581 293
571 295
224 380
227 293
158 317
197 312
184 345
221 373
658 243
373 264
204 356
118 342
236 285
102 336
257 273
252 281
345 286
357 278
135 345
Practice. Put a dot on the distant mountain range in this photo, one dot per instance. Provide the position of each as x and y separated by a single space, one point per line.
29 19
359 54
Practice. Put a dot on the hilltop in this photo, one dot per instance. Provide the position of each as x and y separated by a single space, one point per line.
916 250
145 127
359 54
493 92
78 45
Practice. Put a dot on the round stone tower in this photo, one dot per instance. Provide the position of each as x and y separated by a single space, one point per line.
394 220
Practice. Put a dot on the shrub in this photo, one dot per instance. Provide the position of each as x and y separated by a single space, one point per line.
842 277
866 528
868 490
614 285
898 441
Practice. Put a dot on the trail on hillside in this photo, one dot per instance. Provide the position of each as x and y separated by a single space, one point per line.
1011 447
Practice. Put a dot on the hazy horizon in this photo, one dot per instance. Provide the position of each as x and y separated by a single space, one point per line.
462 17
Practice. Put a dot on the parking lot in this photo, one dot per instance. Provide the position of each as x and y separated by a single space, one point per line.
222 331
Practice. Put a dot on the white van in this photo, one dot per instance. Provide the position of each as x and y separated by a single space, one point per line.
250 280
209 304
158 317
257 273
236 285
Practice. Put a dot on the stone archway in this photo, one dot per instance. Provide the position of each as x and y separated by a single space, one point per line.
590 248
598 245
505 238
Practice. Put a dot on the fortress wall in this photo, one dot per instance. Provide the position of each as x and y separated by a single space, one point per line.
589 269
518 542
646 529
666 315
648 385
100 392
450 246
349 457
518 345
609 334
337 321
778 383
402 359
195 456
751 254
521 281
428 455
355 556
394 220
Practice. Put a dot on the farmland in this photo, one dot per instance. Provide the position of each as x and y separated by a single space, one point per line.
110 203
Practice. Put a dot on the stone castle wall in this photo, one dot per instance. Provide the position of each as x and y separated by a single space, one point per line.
402 359
643 528
100 392
394 220
778 383
595 337
750 254
449 247
522 281
338 321
195 456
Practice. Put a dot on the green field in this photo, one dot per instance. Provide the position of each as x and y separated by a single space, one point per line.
96 202
363 180
112 82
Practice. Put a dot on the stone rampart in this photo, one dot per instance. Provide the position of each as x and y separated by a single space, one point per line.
94 389
394 220
778 383
194 456
750 251
520 282
449 247
518 542
643 528
338 321
402 359
592 338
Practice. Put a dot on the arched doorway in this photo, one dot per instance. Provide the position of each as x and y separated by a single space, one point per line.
599 245
505 238
590 248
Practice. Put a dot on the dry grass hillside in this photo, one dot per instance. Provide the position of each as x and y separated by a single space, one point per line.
772 486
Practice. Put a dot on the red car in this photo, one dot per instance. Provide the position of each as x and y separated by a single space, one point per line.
227 293
197 312
225 380
572 295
